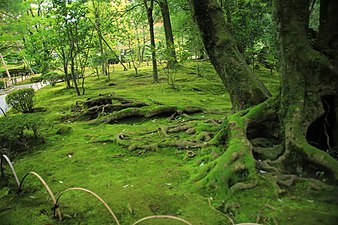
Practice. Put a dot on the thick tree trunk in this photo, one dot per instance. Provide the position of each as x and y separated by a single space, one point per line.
169 37
328 42
243 86
152 36
279 129
307 79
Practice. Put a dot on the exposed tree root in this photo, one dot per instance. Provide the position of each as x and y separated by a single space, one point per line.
160 111
234 168
180 136
95 111
103 105
116 109
253 144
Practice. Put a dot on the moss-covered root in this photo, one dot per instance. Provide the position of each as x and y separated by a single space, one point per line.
235 165
235 168
315 159
323 159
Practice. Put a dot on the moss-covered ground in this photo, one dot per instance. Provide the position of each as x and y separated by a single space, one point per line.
138 182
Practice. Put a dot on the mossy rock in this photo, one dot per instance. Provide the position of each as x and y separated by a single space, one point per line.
64 130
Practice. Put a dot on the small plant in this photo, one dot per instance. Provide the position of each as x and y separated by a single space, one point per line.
2 84
21 100
53 77
171 77
36 79
19 132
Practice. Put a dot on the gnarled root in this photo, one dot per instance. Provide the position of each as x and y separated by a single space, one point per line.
234 169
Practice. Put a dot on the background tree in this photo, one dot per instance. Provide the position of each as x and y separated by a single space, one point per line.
243 86
149 9
188 39
74 30
172 59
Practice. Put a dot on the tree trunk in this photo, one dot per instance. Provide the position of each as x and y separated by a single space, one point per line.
65 69
169 37
72 68
152 36
98 29
289 123
144 44
243 86
65 66
308 84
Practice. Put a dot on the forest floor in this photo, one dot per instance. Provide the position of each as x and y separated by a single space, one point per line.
144 165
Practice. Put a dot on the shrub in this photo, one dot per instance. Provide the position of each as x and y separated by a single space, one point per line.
36 79
19 132
2 84
53 77
21 100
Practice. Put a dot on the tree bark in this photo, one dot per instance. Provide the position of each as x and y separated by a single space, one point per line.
172 60
308 77
152 36
307 101
243 86
72 68
65 66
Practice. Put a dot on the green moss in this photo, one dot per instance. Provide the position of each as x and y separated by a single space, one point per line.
80 154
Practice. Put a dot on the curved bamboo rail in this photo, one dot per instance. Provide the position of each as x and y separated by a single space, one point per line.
248 224
55 201
94 194
48 190
12 168
161 217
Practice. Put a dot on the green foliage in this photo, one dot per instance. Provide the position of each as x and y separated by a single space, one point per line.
21 100
19 132
188 43
36 79
52 77
2 84
171 77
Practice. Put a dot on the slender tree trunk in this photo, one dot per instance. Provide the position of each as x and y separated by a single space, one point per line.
152 37
98 29
144 43
243 86
5 66
28 65
138 43
65 67
112 51
172 60
72 68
